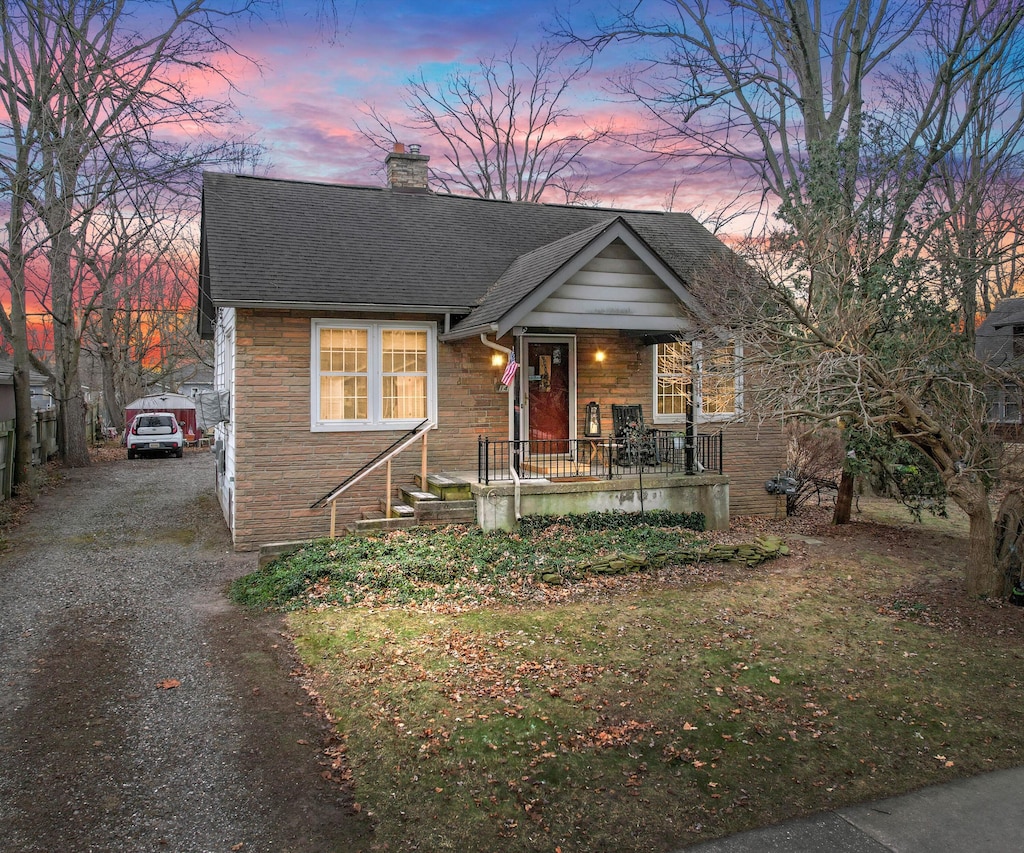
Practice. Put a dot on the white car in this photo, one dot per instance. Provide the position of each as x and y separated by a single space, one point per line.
155 432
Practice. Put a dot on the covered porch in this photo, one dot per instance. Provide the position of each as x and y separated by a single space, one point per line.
636 472
500 504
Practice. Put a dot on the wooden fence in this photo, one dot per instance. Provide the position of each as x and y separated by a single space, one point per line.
44 445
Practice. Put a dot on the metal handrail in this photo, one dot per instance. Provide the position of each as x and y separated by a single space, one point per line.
385 456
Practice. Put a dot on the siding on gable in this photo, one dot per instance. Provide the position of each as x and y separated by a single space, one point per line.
281 467
615 283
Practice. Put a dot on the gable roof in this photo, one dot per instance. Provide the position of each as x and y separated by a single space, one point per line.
290 244
993 339
532 277
7 374
1006 312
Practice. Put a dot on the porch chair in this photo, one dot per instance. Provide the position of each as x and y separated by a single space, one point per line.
636 443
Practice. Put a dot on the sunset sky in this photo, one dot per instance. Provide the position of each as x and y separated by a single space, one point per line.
305 103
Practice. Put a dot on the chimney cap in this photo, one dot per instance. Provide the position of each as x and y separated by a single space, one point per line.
414 148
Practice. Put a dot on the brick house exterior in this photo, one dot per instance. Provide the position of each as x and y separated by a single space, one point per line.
318 297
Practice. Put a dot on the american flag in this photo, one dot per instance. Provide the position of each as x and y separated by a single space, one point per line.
510 369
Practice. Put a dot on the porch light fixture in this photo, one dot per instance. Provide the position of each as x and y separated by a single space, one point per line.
599 356
497 359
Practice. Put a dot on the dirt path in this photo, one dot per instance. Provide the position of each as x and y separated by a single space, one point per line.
112 591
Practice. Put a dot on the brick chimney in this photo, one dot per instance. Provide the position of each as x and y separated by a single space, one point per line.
407 170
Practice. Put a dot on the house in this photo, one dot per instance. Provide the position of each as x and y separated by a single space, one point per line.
44 423
999 342
198 381
498 339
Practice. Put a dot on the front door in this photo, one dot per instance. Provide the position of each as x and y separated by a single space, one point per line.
550 382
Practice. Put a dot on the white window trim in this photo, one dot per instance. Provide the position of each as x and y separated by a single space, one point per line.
375 420
699 415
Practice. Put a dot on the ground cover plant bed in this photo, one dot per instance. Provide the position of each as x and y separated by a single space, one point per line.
653 709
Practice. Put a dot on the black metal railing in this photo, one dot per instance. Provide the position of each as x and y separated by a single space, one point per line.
598 458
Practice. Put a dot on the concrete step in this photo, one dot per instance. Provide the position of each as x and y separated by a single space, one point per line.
415 497
446 488
367 525
447 512
398 509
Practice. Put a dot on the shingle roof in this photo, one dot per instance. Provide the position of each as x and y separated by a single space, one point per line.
1007 312
522 275
290 243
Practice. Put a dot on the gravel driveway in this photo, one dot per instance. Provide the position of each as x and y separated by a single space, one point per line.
110 592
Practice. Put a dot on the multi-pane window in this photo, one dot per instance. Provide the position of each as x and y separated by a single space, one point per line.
718 380
405 373
343 374
1004 403
673 378
715 367
372 375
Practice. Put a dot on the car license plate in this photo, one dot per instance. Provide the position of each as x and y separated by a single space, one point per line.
155 445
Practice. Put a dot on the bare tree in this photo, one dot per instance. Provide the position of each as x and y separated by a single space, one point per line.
849 319
84 89
981 242
139 264
505 128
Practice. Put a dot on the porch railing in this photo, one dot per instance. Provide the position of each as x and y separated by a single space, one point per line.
599 458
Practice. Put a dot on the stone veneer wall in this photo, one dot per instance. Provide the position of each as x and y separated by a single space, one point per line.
282 467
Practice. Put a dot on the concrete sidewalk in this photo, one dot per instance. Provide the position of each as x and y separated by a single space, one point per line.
984 814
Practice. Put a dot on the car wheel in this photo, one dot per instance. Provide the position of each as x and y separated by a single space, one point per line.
180 453
131 453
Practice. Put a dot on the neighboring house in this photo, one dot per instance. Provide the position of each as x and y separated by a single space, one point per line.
999 341
345 317
42 399
193 380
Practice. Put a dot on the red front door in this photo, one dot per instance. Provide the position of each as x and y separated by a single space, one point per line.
549 387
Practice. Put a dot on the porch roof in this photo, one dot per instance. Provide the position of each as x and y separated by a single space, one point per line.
536 275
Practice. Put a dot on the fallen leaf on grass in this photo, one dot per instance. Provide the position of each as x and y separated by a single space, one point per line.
168 684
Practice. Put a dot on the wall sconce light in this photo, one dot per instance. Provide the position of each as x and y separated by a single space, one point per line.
599 356
497 359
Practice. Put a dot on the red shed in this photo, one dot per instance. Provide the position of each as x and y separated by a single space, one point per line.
182 407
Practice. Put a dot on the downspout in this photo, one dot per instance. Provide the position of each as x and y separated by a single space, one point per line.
511 465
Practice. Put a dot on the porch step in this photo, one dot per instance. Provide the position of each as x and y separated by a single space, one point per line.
365 525
414 497
447 512
446 488
398 509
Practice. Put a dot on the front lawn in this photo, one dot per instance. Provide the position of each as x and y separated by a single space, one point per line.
483 709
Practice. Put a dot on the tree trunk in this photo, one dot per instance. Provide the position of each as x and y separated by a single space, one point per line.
844 499
981 574
23 417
